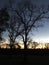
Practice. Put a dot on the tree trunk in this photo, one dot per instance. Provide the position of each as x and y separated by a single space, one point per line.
25 46
11 44
25 41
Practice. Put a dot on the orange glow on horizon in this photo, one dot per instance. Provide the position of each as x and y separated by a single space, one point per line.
30 46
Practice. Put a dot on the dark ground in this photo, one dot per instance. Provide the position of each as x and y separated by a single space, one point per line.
24 57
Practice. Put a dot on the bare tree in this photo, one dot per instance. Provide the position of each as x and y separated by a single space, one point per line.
14 29
30 16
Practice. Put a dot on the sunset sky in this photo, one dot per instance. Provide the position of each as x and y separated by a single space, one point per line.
42 33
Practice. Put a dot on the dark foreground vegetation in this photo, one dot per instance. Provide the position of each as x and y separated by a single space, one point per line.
34 52
24 57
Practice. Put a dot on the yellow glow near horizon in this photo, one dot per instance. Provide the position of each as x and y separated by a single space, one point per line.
30 45
40 46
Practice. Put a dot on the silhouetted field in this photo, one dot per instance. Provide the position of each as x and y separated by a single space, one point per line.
34 52
16 56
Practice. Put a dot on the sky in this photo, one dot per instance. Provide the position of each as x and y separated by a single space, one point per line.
42 34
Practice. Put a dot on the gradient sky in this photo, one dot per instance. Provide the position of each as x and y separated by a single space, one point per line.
42 34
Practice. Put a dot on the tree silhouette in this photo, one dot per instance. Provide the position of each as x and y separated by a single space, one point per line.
14 29
30 16
4 17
